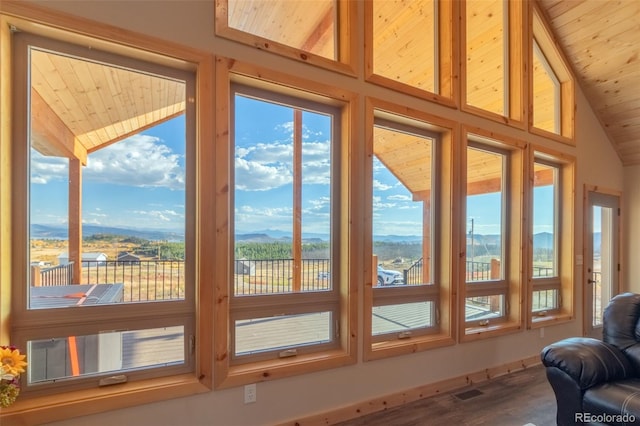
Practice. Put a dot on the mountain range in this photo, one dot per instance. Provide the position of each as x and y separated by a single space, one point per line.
540 240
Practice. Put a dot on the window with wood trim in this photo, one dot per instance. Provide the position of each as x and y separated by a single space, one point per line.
487 288
493 234
493 62
551 259
411 46
405 297
285 289
552 84
408 256
104 158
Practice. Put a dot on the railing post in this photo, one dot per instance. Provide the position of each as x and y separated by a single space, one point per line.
495 269
36 280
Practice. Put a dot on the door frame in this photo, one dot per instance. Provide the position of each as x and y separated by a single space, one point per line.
588 189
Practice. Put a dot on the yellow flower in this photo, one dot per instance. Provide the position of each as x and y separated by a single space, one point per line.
12 362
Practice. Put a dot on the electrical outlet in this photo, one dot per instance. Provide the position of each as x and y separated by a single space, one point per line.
250 393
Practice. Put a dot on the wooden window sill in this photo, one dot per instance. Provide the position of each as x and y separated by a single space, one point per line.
29 410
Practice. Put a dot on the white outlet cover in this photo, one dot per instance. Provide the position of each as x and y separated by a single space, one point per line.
250 393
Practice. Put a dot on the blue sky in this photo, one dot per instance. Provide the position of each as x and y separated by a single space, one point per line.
135 183
139 182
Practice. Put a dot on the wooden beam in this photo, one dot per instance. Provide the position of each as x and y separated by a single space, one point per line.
297 201
325 24
486 186
75 219
49 135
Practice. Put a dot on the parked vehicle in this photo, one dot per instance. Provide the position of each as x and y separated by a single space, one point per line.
389 277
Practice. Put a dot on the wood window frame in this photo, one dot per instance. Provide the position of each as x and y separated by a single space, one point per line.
443 263
543 36
565 282
346 40
515 234
447 56
226 373
517 75
71 403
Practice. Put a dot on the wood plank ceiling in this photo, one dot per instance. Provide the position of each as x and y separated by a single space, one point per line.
78 106
600 38
602 41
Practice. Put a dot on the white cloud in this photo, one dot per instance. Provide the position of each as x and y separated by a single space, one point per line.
140 160
46 169
161 215
399 197
266 166
379 186
287 129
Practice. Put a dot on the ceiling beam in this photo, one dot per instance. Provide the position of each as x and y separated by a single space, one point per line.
49 135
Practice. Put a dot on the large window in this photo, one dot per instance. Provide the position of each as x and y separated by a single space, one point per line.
106 290
487 175
551 261
403 198
410 266
286 303
494 234
285 300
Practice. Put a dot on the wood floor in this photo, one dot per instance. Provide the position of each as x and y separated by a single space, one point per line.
517 399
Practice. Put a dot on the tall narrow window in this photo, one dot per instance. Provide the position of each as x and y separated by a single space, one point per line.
107 154
405 297
486 262
285 300
546 254
487 53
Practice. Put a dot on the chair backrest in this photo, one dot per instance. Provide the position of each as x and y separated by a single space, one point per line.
621 321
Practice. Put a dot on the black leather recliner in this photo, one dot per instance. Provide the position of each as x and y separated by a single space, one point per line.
598 382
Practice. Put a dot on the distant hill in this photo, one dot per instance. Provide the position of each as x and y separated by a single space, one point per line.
59 232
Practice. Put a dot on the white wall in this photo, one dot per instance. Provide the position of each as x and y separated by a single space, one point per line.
631 229
191 23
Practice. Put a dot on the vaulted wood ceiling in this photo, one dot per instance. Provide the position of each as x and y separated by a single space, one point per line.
602 42
600 38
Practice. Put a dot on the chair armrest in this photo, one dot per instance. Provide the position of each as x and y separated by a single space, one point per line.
588 361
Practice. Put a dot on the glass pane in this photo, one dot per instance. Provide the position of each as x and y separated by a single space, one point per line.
282 198
484 307
402 317
308 25
485 225
402 197
603 264
545 221
404 35
282 332
108 352
544 300
546 94
107 183
486 50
